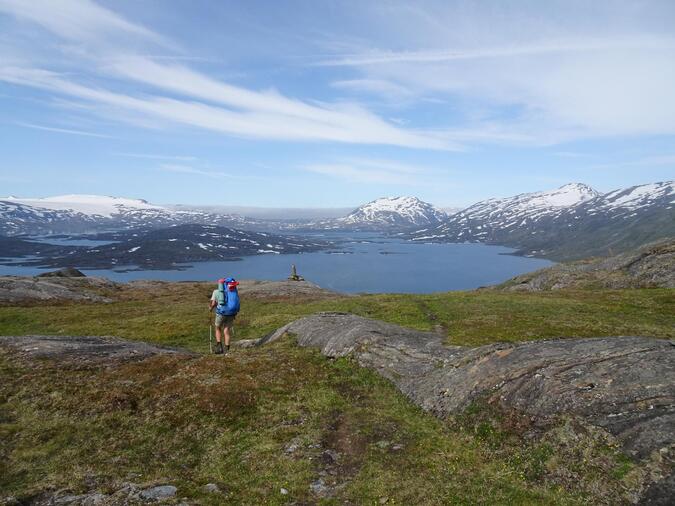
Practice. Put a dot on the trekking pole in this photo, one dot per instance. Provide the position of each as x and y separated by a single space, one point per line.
210 335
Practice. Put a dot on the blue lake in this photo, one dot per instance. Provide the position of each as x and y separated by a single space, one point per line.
362 263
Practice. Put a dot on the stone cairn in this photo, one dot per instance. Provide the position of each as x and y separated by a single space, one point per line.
294 275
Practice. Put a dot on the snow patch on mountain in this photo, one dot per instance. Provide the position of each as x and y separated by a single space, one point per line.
90 205
388 211
518 210
639 196
537 203
567 195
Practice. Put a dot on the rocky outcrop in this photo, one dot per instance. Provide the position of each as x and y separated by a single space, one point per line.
650 266
66 272
31 290
285 288
85 350
624 385
20 289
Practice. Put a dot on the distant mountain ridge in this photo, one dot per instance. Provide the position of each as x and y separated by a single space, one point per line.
161 248
390 212
568 223
76 214
571 222
73 214
482 220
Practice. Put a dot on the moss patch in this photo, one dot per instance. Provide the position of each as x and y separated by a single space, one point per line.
254 422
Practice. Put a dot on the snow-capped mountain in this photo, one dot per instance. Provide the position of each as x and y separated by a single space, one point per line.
77 214
392 212
91 213
482 220
571 222
89 205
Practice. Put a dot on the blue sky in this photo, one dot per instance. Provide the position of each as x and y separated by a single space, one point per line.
333 103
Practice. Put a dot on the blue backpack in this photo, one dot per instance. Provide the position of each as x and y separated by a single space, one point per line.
228 297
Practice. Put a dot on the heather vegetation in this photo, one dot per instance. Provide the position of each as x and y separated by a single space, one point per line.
282 417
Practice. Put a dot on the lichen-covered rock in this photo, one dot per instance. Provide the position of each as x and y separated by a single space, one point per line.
625 385
85 349
20 289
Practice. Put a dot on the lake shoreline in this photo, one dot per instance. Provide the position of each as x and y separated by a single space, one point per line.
362 263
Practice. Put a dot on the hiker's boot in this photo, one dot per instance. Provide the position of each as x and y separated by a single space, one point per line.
219 349
227 349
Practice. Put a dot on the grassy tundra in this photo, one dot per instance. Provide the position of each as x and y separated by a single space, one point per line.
281 417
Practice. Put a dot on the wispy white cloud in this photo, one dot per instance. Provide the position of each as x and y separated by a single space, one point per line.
187 169
375 86
539 75
544 47
78 20
196 171
288 118
151 156
267 116
63 130
185 58
544 74
203 102
363 170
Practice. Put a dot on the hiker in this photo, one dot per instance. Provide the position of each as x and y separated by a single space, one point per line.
225 299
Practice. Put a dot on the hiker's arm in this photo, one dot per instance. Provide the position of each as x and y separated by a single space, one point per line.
212 304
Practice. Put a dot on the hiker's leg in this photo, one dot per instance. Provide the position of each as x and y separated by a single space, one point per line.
219 326
226 331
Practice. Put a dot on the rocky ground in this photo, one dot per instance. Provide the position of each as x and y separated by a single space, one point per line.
85 350
22 289
624 386
128 494
81 351
652 265
618 391
60 288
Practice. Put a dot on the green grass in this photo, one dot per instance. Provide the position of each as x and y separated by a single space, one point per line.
466 318
194 421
